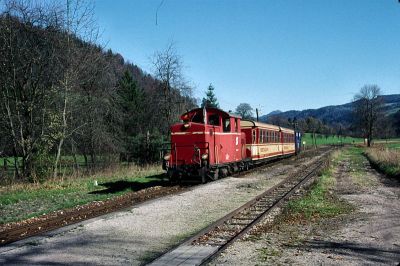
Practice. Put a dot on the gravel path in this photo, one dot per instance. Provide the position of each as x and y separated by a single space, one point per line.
368 236
145 231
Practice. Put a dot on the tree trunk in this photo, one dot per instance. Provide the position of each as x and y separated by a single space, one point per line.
62 138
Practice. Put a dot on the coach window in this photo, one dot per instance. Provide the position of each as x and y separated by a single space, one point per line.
261 135
213 120
227 124
254 135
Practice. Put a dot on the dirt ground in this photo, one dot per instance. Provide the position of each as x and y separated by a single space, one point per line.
369 235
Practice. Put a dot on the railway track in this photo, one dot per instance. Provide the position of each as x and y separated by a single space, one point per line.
68 217
81 213
214 239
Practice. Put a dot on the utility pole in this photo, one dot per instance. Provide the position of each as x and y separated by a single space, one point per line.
257 114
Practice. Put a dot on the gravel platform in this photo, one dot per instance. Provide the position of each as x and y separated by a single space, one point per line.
139 234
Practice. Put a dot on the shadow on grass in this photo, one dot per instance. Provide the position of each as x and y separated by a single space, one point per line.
123 185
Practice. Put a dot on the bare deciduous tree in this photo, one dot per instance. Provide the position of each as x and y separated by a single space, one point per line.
168 69
245 110
78 21
29 69
367 110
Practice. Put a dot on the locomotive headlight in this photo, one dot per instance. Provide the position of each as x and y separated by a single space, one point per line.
167 156
204 156
186 125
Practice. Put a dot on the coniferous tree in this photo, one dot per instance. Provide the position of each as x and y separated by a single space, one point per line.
210 100
131 97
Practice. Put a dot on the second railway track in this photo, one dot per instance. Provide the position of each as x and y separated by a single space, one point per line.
209 242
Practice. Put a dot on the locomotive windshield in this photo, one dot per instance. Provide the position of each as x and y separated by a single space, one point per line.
213 120
198 118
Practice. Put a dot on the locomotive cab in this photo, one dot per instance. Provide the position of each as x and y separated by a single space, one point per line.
207 143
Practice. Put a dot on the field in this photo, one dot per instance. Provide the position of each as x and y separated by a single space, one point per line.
329 140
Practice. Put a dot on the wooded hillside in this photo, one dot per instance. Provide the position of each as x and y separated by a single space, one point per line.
63 94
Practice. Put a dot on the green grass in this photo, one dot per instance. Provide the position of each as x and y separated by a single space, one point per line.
330 140
393 145
19 202
268 253
319 202
10 161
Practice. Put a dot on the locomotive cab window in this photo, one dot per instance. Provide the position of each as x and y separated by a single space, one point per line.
198 118
213 120
227 125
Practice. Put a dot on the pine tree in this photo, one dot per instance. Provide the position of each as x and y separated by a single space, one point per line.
210 100
132 103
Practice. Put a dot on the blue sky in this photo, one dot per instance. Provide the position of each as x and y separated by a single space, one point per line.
272 54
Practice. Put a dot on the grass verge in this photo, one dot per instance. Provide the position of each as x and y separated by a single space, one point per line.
23 201
319 202
386 160
308 211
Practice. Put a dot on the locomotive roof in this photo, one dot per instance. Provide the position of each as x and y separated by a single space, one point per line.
212 109
249 123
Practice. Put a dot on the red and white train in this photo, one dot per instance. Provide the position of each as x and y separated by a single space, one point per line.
211 143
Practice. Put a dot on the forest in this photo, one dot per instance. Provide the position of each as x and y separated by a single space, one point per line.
66 100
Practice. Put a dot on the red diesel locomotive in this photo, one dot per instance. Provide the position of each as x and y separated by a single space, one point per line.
211 143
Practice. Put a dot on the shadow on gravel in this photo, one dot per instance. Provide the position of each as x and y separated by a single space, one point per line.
356 250
390 181
122 185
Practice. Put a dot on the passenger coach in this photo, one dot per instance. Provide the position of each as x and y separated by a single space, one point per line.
264 141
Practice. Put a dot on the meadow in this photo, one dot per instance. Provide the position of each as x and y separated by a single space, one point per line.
329 140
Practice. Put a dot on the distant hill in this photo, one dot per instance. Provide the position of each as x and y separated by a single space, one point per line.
274 113
334 114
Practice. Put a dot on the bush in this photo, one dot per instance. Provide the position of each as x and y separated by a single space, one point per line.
143 148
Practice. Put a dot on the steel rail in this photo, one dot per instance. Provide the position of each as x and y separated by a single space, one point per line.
237 223
280 199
